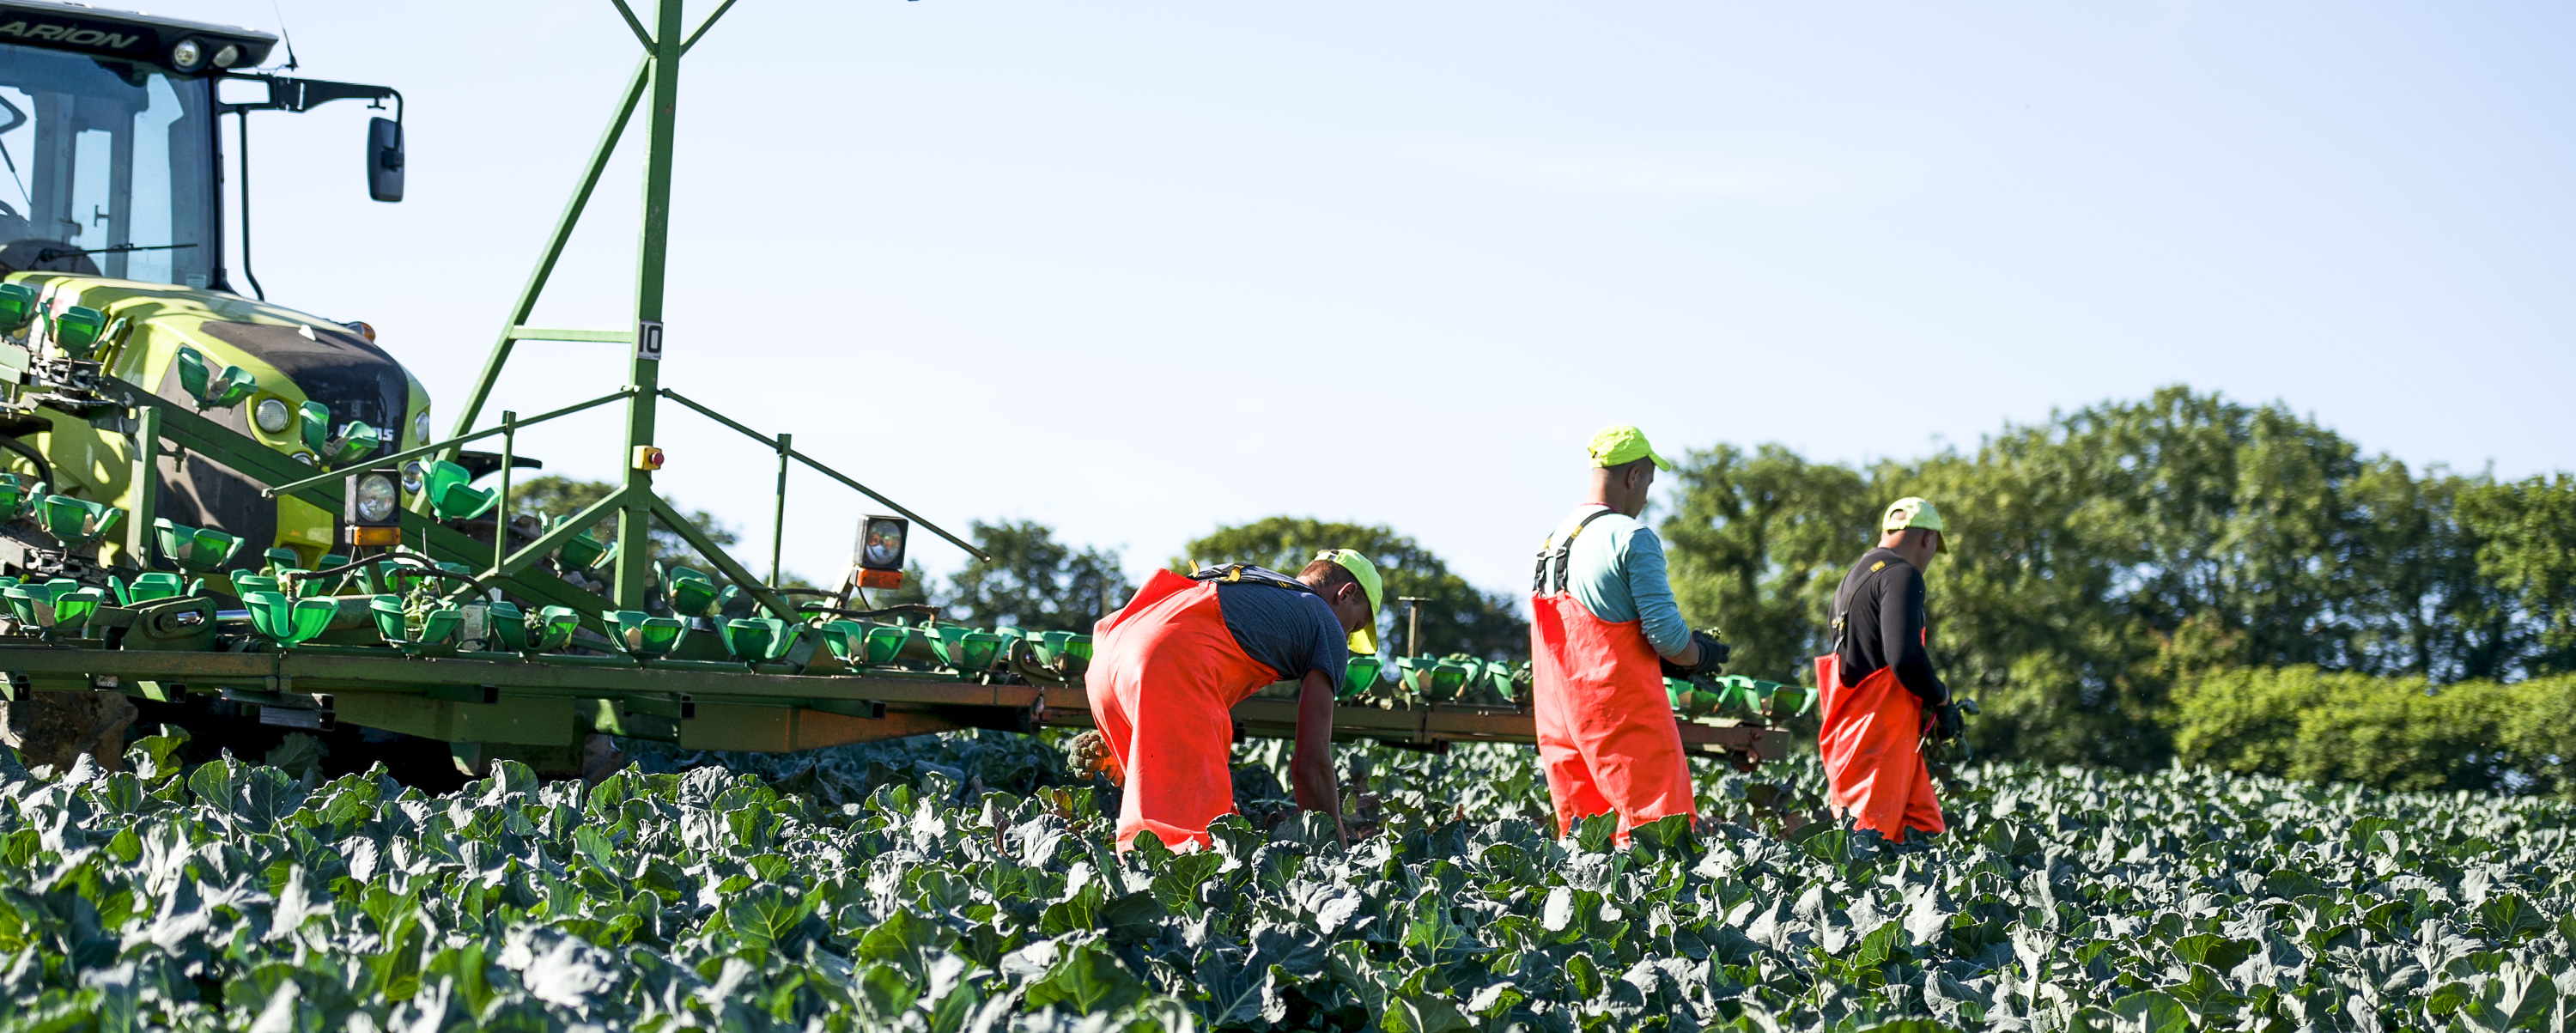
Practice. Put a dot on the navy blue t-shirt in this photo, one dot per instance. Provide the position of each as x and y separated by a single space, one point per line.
1291 631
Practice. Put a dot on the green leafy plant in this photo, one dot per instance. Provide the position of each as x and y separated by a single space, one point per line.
418 625
964 882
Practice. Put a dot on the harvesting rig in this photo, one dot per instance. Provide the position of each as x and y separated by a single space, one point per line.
232 515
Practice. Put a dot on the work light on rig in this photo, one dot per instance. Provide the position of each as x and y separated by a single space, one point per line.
877 560
374 508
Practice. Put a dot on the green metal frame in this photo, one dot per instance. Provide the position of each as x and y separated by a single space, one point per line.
549 701
546 702
635 504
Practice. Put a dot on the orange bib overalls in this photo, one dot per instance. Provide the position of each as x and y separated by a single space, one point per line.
1872 740
1164 678
1606 735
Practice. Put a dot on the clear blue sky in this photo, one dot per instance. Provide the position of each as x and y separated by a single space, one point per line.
1136 270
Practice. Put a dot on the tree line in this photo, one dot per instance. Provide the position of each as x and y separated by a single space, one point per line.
2106 555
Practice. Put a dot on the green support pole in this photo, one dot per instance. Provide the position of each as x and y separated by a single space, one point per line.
634 523
147 485
501 516
635 504
778 509
571 217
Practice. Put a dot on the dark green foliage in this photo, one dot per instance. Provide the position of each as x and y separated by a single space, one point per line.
1034 582
2388 733
1457 617
977 761
2101 555
234 897
2527 542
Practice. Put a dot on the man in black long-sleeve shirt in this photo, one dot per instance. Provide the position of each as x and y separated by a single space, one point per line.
1881 694
1879 618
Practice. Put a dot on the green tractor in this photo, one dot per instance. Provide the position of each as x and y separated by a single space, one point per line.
113 268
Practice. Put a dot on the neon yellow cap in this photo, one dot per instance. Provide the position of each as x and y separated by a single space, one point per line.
1914 512
1624 444
1364 572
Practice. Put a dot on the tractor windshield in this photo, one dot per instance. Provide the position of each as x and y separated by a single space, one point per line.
110 168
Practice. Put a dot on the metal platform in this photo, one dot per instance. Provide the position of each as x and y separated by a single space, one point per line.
552 701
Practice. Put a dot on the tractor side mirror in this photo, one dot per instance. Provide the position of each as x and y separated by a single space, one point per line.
384 159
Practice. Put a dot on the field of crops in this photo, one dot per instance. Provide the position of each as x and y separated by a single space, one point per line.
953 885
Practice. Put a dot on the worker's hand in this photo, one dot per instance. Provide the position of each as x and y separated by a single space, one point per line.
1948 722
1713 654
1706 655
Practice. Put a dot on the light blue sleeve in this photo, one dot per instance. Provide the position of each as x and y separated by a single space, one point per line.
1652 593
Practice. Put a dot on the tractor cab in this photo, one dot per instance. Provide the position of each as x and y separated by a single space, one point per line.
108 136
114 267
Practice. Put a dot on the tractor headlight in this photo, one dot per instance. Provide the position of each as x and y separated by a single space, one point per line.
187 55
271 414
224 58
411 477
420 427
375 497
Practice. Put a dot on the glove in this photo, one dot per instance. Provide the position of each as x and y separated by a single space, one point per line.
1712 657
1948 722
1712 653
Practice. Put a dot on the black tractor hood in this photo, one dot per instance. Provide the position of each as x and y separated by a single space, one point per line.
135 37
345 372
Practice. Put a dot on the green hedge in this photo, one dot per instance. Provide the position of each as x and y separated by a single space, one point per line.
2391 733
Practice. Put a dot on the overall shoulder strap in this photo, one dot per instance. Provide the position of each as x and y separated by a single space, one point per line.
1245 573
1852 585
1556 554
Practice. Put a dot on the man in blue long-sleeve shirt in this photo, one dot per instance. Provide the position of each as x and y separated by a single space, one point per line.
1603 627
